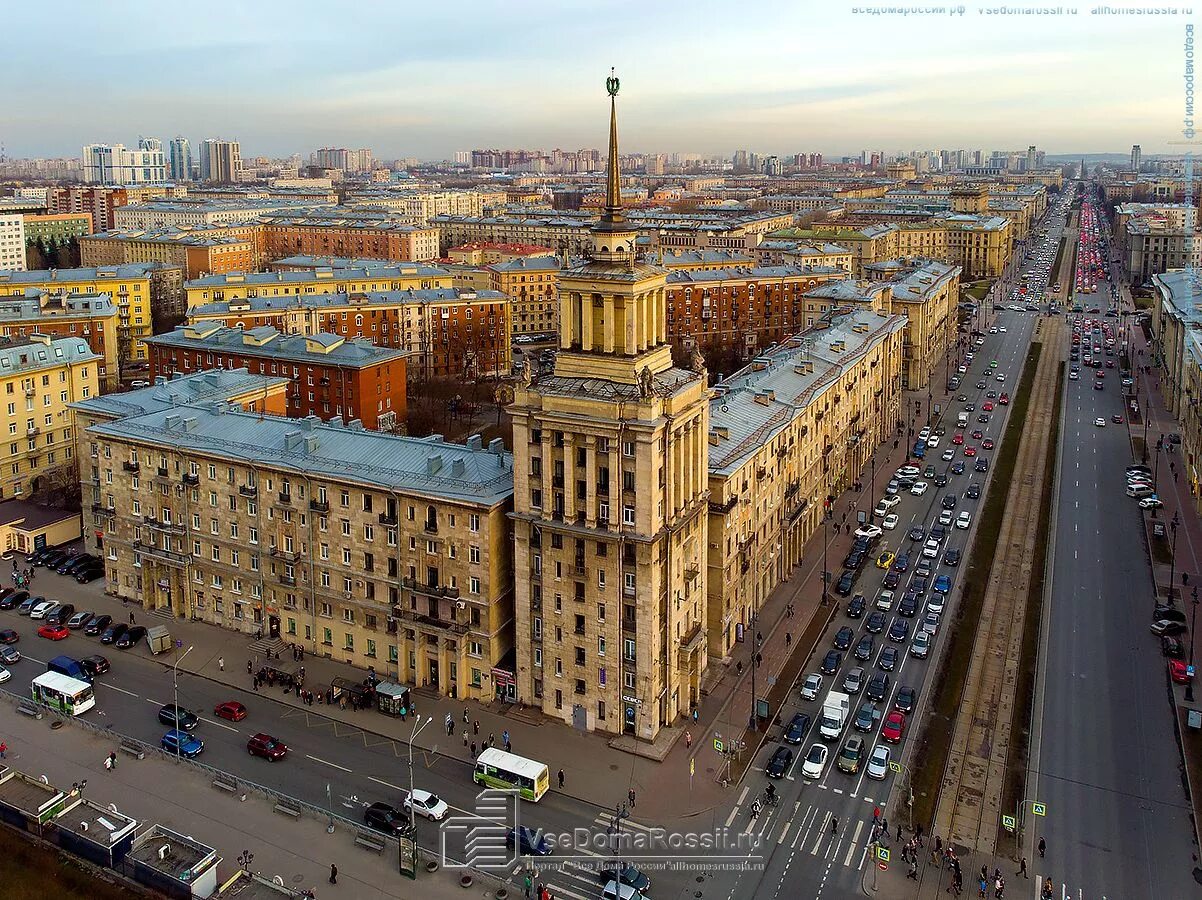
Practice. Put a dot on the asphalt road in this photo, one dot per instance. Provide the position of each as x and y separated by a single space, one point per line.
1109 766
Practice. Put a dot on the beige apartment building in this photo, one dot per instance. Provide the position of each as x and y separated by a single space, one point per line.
789 431
39 380
928 295
268 286
377 550
610 501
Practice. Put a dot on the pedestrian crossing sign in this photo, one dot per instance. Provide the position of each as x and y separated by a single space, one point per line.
1009 823
718 745
1039 809
882 853
895 767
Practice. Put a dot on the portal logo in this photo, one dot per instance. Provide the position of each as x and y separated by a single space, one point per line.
481 840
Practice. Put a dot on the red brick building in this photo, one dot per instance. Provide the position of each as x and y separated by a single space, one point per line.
330 376
344 232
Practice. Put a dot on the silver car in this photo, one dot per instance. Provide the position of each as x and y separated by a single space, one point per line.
853 681
811 687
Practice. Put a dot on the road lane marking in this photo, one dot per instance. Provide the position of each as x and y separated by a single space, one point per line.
327 763
855 840
731 818
784 833
113 687
155 702
223 725
386 784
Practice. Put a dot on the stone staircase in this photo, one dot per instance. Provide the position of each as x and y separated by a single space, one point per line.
263 645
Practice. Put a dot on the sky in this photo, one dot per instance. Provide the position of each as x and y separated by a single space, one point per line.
425 80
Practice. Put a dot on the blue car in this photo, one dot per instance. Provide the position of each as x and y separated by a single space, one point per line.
942 584
181 743
528 842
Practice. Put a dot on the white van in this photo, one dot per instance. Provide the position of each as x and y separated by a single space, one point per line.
962 420
1140 490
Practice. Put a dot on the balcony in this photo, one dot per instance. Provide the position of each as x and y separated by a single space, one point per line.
190 478
429 590
289 580
431 528
286 555
170 557
162 472
691 642
100 509
168 527
285 498
33 432
321 506
410 615
248 490
388 518
131 465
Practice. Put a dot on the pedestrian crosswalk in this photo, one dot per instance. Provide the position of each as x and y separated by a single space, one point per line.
581 879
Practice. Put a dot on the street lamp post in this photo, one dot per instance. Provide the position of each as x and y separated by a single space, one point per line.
753 621
826 539
175 697
418 724
1193 624
1156 471
1173 557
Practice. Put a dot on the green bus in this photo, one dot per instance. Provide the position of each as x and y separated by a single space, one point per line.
64 693
498 769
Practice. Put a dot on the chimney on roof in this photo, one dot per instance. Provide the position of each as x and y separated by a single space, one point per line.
171 422
355 424
497 446
475 442
433 463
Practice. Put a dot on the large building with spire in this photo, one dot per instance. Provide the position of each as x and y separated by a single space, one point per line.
610 498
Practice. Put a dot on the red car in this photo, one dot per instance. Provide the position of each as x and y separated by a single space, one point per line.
1004 399
231 709
987 444
1179 671
53 632
978 434
895 724
266 746
970 451
987 406
957 438
8 636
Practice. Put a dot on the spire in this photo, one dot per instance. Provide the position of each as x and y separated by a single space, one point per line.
613 187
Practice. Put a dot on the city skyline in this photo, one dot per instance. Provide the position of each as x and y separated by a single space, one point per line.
509 78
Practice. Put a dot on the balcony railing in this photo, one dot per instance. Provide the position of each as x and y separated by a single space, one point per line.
388 518
131 465
191 478
170 557
430 590
162 472
410 615
248 490
321 506
285 497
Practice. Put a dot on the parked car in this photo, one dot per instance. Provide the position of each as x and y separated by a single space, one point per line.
9 655
68 566
89 573
8 636
79 620
113 632
13 600
53 632
97 624
61 614
132 635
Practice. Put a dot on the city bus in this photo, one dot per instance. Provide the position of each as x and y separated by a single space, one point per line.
498 769
63 693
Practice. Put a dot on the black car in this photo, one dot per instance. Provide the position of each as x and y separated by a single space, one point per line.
901 562
89 573
888 660
113 632
35 558
831 662
798 728
132 635
97 624
983 418
973 492
892 579
8 636
876 622
53 559
899 630
94 665
878 686
779 763
845 583
178 717
843 638
61 614
941 479
13 600
855 606
938 532
1171 647
1169 613
854 560
528 842
909 605
948 501
919 585
866 717
906 698
951 557
1165 627
917 533
862 544
68 566
865 647
982 464
388 819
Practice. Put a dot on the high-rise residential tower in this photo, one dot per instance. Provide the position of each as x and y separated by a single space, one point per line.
180 161
610 499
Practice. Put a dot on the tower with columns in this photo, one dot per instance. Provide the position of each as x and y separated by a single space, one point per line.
610 501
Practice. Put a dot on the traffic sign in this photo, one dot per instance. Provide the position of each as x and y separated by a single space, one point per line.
882 853
718 745
1039 809
1009 823
884 867
895 766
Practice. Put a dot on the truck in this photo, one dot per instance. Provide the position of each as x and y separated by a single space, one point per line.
835 709
158 637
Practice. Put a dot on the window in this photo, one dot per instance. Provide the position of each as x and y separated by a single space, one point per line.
627 515
473 554
473 523
628 448
474 584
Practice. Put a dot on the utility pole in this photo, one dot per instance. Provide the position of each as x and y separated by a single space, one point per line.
175 699
1193 622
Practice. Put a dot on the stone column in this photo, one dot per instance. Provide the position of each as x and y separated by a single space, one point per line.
608 325
565 320
586 322
569 482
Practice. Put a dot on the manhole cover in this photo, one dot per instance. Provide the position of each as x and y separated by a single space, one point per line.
613 768
57 724
709 771
297 879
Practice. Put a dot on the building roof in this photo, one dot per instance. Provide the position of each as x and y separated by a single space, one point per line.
83 273
749 273
918 282
43 352
338 262
752 406
527 264
267 342
384 269
1181 292
704 257
95 823
31 516
469 473
180 390
339 299
182 858
35 305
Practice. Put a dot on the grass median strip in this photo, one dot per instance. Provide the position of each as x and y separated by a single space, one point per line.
1020 744
948 690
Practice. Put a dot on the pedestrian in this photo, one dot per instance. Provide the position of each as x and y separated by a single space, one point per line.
688 740
528 885
476 727
112 760
999 888
491 740
508 747
834 824
250 667
505 736
108 763
3 750
333 874
465 737
788 639
899 831
630 797
450 723
937 851
465 715
981 887
918 833
694 714
913 872
131 618
1042 847
473 749
221 663
1022 868
561 779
